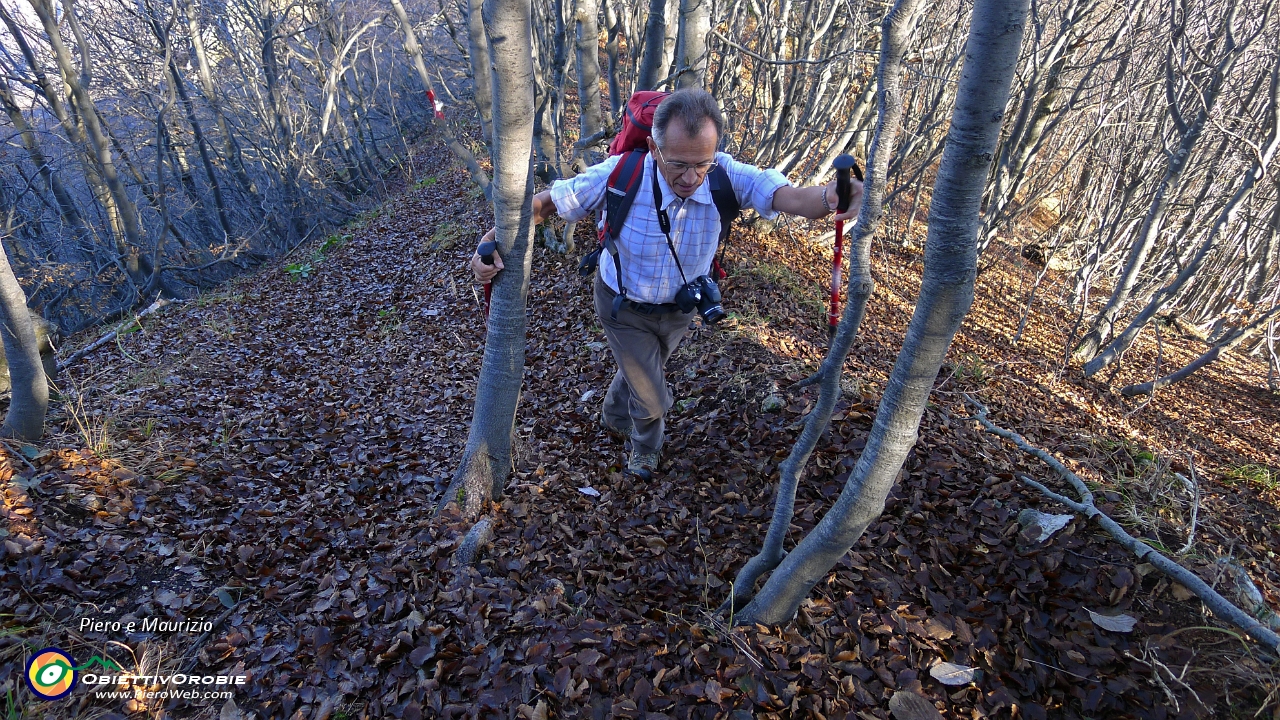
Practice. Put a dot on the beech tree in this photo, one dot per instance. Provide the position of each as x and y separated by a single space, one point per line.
30 389
995 37
486 461
896 31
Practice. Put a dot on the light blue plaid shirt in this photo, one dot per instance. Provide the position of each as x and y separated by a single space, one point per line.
649 272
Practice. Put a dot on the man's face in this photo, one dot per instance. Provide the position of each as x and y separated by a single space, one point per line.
684 160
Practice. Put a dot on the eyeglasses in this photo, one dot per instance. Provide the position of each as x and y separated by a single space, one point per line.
680 168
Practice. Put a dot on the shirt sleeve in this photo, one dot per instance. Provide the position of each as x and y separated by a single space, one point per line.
753 186
576 197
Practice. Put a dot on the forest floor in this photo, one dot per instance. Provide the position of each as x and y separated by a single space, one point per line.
267 459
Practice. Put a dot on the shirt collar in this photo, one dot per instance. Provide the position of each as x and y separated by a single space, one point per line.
701 195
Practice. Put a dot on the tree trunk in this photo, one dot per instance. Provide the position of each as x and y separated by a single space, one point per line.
587 49
486 460
654 33
231 150
460 151
614 25
481 76
670 38
81 249
895 35
30 399
945 296
691 57
1232 339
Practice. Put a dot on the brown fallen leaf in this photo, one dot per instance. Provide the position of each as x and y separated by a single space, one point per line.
910 706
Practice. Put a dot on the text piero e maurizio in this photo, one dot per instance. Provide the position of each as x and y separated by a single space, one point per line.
146 625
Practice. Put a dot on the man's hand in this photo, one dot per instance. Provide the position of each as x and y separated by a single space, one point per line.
485 273
855 199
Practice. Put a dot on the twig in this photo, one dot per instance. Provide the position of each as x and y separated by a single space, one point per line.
18 455
1055 667
1219 605
1195 505
204 637
159 303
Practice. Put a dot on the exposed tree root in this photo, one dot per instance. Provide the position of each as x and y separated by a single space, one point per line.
478 537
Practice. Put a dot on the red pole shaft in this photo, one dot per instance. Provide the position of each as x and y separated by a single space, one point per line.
488 288
837 264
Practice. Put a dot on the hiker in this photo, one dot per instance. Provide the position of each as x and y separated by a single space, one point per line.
663 262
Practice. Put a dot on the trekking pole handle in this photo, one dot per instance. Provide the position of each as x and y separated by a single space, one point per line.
844 186
486 250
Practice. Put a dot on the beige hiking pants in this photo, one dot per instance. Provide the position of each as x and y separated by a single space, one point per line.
641 345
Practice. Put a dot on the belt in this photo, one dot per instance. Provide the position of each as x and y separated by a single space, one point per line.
643 308
650 308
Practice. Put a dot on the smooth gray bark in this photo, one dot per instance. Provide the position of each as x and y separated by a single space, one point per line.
613 21
480 73
587 56
486 460
231 149
76 81
81 249
895 35
30 399
654 33
691 56
946 293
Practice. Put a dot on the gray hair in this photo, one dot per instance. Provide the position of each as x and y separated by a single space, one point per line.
693 107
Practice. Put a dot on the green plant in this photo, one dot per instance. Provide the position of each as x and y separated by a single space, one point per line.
390 320
1260 475
207 299
298 270
425 182
333 242
970 366
446 235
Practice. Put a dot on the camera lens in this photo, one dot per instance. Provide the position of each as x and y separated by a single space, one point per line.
713 314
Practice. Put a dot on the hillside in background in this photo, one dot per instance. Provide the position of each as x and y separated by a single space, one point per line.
268 456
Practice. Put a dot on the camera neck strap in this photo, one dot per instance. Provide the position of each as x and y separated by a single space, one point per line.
664 221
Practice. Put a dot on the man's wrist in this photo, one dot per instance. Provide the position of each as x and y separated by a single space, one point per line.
826 203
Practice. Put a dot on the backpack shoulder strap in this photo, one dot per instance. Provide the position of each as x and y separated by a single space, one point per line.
725 199
624 183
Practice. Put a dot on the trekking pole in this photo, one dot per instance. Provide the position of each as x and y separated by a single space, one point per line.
844 193
485 251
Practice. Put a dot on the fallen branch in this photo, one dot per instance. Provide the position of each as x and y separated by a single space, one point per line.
1219 605
126 325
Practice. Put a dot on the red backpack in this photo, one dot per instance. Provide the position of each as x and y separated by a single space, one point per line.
624 181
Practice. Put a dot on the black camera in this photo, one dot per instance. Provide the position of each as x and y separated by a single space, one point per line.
701 293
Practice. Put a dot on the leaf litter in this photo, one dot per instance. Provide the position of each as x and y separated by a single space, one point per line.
270 459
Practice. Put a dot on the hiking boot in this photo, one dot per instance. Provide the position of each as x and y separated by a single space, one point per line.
621 434
642 464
